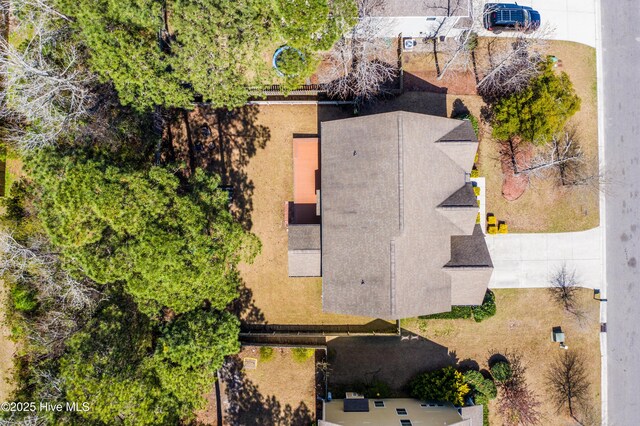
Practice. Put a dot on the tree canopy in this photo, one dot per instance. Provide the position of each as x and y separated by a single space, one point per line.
172 245
539 111
446 384
165 53
112 364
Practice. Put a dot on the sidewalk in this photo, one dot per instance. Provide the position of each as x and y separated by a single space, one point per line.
528 260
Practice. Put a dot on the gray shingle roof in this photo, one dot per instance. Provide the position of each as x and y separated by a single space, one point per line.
385 239
304 256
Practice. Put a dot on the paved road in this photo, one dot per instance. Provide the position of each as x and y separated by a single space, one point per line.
620 86
528 260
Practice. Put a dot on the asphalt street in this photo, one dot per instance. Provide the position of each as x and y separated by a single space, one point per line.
620 35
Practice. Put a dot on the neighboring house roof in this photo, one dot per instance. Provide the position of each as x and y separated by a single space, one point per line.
394 192
399 8
428 413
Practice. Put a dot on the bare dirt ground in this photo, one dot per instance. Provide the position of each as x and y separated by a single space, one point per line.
279 391
523 322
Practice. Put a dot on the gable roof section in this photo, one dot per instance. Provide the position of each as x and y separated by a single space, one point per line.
460 145
385 234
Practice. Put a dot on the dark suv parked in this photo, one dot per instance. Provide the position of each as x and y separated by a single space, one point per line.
510 16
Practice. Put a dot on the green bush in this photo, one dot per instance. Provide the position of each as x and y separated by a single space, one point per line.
446 384
482 386
266 353
501 371
302 354
482 400
487 309
456 312
23 299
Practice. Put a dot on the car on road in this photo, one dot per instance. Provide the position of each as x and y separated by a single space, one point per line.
510 16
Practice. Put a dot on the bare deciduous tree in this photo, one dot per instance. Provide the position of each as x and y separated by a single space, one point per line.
568 383
41 98
562 154
67 299
518 404
356 65
564 287
512 63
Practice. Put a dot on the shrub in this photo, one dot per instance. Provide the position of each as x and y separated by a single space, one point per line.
482 386
266 353
456 312
23 299
302 354
487 309
501 371
482 400
446 384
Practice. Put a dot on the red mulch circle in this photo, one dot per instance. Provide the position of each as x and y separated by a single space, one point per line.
513 186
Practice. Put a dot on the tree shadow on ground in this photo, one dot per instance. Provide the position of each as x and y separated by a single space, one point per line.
247 406
245 308
223 142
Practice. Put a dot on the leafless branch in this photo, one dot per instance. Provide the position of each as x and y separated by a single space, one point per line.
512 62
356 66
569 383
40 99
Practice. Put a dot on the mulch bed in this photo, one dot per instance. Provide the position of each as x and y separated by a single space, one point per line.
514 151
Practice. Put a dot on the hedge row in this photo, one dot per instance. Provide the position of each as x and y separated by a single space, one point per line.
478 313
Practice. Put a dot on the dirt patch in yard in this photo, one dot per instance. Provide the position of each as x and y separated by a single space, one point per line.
280 390
514 185
523 322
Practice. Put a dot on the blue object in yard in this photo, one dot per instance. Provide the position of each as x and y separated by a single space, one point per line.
329 397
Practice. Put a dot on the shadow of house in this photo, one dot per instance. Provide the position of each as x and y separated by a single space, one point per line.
392 360
221 142
246 405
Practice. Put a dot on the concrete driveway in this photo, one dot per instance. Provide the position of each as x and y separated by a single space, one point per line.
528 260
572 20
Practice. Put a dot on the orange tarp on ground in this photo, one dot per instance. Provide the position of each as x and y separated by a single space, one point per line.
306 173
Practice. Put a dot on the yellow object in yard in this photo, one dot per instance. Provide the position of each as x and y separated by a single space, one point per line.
491 219
492 229
503 228
475 173
475 160
478 219
476 190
